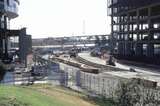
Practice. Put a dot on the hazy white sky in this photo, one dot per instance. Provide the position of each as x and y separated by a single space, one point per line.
53 18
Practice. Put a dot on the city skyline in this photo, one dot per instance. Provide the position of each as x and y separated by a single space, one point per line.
63 18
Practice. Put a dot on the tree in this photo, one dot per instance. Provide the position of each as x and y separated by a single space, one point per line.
129 93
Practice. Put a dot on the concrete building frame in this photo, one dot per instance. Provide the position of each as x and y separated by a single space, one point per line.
135 29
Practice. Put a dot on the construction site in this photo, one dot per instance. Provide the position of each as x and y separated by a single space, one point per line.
135 28
118 69
13 42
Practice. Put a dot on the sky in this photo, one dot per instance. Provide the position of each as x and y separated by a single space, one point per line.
54 18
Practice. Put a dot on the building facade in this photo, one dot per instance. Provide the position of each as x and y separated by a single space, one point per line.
9 11
135 27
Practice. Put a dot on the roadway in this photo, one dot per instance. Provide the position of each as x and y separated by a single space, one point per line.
97 60
151 73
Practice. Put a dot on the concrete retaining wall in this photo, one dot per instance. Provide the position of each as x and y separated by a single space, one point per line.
126 91
138 92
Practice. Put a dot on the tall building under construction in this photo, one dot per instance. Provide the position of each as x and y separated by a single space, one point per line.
135 29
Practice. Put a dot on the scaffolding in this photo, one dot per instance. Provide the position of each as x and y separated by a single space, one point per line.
135 29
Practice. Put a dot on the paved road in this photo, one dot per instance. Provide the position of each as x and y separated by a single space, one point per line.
123 66
96 60
152 74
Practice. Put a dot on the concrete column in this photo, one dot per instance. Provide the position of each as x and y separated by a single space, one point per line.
6 38
120 44
139 49
23 46
121 48
141 36
1 46
150 47
132 26
120 27
138 36
1 40
123 41
128 48
112 37
150 50
128 44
